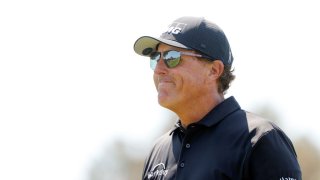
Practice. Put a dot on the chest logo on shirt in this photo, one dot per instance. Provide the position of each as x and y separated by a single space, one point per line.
287 178
157 171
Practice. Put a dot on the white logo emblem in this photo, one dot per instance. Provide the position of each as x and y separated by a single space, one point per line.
176 28
158 170
287 178
229 60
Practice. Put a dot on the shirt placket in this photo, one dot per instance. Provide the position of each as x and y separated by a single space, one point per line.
186 146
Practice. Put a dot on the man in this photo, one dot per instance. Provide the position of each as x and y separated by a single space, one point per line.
214 139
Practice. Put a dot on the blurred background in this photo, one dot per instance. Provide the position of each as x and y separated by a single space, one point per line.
76 103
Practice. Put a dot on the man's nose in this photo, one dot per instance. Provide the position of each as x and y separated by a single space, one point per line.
161 67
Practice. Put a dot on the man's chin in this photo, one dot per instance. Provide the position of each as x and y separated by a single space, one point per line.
164 101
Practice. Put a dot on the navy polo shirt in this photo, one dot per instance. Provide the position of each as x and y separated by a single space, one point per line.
228 143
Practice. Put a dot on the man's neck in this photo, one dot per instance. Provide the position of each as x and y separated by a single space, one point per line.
196 110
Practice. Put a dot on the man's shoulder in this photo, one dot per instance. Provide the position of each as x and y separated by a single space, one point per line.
272 154
258 126
163 140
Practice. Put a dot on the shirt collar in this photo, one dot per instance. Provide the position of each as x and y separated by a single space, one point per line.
218 113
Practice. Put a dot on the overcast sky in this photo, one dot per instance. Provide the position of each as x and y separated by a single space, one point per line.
70 81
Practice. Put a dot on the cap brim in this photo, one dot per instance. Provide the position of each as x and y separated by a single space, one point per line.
146 44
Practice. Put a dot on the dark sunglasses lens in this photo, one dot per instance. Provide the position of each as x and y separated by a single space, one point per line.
154 58
171 58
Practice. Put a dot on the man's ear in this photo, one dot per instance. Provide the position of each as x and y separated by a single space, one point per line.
217 68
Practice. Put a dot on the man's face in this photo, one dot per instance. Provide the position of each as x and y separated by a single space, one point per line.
183 84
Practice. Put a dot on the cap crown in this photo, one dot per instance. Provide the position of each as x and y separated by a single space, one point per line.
201 35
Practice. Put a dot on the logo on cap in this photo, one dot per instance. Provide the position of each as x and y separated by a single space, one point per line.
230 57
176 28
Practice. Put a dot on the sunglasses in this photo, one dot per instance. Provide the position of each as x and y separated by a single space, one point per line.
171 58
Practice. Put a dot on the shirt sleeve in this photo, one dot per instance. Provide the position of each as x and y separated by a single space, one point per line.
273 157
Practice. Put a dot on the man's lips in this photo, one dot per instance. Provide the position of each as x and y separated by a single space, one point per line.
165 80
